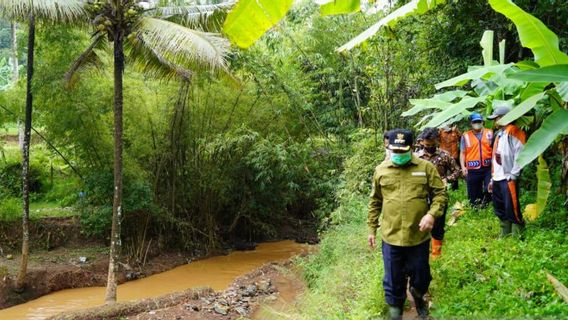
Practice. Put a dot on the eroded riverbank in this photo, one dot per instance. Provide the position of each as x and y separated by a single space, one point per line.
217 273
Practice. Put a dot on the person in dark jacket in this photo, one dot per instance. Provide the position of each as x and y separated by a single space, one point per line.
449 172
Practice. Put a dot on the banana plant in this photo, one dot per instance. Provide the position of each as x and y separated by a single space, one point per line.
538 91
250 19
163 41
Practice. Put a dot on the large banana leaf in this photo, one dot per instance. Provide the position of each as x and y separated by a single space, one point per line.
502 51
532 33
424 104
533 211
340 7
453 110
521 109
553 126
439 101
472 75
487 45
413 7
250 19
544 185
532 88
554 73
562 89
450 96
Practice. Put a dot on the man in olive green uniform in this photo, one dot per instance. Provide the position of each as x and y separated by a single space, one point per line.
399 205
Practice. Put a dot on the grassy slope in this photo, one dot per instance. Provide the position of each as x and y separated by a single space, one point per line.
478 276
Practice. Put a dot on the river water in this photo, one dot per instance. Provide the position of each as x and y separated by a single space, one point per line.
217 273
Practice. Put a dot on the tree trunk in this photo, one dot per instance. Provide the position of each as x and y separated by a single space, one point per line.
115 242
16 77
20 281
14 55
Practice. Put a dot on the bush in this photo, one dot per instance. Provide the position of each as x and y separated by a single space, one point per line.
64 191
10 209
11 178
95 203
367 153
96 221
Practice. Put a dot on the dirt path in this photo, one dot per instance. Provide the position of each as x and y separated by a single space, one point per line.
290 287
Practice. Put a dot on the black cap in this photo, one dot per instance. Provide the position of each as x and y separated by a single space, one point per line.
400 139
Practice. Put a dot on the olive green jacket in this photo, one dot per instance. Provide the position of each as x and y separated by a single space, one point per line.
400 198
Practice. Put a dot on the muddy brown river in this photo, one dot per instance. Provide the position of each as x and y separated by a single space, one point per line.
217 273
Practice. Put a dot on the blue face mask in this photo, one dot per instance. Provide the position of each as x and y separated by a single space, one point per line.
401 159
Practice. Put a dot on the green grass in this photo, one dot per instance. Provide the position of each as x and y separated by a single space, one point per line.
11 209
58 191
344 276
9 129
50 209
479 276
482 276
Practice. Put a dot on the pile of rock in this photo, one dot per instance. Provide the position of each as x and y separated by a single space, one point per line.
237 299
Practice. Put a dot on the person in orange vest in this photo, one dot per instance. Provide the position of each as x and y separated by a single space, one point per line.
475 160
450 142
509 142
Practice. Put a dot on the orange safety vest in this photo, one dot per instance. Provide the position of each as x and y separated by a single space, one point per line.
478 153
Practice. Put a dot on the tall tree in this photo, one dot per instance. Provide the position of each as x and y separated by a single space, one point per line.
166 42
16 75
28 11
14 53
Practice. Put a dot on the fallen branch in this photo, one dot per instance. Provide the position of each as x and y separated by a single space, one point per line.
558 286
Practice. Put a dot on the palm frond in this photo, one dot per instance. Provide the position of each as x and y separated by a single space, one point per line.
89 58
207 17
63 11
183 46
151 62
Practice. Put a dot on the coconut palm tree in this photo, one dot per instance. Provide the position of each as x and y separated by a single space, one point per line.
167 42
30 11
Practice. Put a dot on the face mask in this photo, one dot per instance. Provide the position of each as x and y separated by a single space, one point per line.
401 158
430 150
477 126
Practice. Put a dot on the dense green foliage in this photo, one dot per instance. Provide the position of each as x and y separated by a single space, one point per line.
294 132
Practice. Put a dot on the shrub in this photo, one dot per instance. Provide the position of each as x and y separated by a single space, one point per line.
95 202
10 209
368 152
11 178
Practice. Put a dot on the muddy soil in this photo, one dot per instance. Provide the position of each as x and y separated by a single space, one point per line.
64 268
45 234
63 258
261 294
